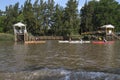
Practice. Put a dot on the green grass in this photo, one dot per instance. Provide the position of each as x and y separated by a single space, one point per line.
6 37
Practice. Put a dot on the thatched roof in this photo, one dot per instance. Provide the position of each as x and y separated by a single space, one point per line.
19 24
108 26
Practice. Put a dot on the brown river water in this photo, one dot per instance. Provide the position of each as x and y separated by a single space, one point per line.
56 61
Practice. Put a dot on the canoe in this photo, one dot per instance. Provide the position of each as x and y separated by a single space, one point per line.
34 42
66 41
102 42
63 41
79 42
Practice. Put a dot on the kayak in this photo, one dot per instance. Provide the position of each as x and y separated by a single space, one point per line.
79 42
63 41
102 42
66 41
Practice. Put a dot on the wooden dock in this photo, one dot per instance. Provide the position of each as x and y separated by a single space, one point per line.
33 38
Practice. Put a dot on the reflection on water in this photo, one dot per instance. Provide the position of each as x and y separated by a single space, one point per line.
77 59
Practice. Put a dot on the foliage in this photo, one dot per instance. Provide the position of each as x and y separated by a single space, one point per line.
57 19
12 13
29 16
6 37
47 18
98 13
1 23
71 18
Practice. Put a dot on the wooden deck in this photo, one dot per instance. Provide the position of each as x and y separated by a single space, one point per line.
93 32
32 38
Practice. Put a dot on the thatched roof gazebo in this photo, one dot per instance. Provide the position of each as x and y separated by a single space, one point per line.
19 28
19 31
109 29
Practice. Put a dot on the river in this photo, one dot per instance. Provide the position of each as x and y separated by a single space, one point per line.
55 61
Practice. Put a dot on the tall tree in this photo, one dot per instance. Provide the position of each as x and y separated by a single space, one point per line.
97 13
12 13
57 27
48 15
2 17
29 16
71 19
42 17
88 16
106 12
117 19
36 14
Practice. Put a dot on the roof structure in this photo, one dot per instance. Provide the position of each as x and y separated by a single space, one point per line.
19 24
107 26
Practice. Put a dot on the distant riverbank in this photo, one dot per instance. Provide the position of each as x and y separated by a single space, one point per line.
6 37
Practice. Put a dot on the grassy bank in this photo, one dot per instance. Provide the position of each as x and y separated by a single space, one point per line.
6 37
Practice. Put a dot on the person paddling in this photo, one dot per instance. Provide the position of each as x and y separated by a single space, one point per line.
104 40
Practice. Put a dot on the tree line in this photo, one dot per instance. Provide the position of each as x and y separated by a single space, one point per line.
47 18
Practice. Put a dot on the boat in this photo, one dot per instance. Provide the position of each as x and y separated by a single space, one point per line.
66 41
79 41
34 42
63 41
102 42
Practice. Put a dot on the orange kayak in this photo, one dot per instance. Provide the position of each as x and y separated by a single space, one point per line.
102 42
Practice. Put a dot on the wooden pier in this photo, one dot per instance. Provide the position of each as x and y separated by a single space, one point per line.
21 34
106 31
38 38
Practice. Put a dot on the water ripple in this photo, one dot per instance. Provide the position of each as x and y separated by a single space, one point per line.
58 74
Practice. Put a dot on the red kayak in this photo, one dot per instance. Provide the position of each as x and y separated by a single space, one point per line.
102 42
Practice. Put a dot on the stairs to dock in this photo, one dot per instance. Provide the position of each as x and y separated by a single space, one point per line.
117 37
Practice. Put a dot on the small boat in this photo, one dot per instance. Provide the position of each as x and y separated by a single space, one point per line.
34 42
79 41
63 41
66 41
102 42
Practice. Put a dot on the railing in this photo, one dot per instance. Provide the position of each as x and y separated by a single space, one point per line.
93 32
116 36
33 38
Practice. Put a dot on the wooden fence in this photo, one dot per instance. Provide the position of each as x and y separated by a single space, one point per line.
33 38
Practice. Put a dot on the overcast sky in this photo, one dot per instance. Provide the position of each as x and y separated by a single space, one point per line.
4 3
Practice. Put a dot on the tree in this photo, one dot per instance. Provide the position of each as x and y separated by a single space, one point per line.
37 18
105 11
12 13
117 19
57 19
71 19
2 17
29 16
98 13
2 23
88 16
46 18
42 17
49 11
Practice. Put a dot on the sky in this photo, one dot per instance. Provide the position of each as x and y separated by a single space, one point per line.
4 3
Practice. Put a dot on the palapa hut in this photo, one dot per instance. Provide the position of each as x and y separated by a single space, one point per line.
20 31
109 29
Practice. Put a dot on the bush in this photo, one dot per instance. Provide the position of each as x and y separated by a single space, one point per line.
6 37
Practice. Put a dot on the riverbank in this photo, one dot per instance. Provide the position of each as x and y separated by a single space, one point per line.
6 37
